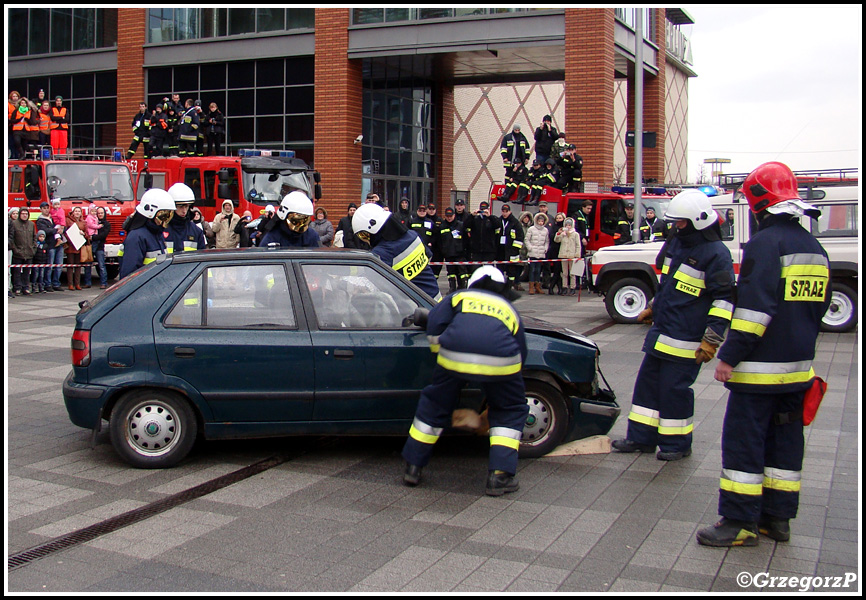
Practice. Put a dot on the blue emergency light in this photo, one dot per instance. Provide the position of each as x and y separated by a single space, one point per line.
246 152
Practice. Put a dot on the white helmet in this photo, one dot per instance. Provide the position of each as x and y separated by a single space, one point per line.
153 201
486 271
369 218
694 206
181 193
296 203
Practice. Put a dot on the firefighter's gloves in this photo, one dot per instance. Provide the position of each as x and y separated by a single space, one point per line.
706 352
646 316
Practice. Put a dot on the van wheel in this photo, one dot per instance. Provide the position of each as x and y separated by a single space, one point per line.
152 429
546 421
626 298
841 315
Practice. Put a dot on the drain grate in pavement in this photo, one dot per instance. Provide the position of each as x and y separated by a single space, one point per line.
145 512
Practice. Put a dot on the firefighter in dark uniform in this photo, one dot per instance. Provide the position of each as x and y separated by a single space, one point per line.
290 227
461 214
396 246
158 132
538 178
172 121
147 232
782 294
140 131
625 225
423 227
450 234
188 129
478 337
690 316
481 229
516 179
652 228
514 150
509 242
184 235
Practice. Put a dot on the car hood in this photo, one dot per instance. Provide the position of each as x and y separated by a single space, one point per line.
545 329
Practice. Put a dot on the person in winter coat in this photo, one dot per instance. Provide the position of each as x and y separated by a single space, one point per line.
536 241
198 221
404 213
216 129
243 230
224 226
569 247
40 258
544 138
22 238
323 227
73 255
553 254
98 242
345 225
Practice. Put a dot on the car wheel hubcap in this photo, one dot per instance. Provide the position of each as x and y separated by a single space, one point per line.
839 311
153 429
630 302
539 422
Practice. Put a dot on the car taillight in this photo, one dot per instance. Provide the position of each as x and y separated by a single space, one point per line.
80 348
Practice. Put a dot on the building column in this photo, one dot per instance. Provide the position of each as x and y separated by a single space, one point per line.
589 92
444 149
338 110
131 32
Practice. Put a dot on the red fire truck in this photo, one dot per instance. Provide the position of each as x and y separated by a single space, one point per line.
76 179
606 210
251 180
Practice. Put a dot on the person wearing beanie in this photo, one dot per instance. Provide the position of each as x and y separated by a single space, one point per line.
545 135
345 225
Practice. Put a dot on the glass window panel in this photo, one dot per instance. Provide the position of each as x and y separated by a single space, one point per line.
83 110
240 102
61 29
106 83
242 296
270 129
362 16
214 22
17 31
300 70
106 109
300 100
185 23
188 311
465 12
300 18
392 162
406 164
396 14
83 28
61 85
159 81
105 135
106 27
82 85
393 140
378 102
39 30
406 142
241 74
242 20
219 97
434 13
269 72
270 19
378 161
186 78
299 128
81 136
269 101
213 76
242 130
34 85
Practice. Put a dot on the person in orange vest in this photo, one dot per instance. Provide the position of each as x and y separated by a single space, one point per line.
20 127
45 123
12 106
59 127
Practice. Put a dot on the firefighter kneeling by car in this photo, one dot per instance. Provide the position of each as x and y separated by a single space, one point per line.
479 338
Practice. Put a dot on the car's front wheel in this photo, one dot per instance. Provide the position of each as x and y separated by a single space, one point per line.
546 421
626 298
153 429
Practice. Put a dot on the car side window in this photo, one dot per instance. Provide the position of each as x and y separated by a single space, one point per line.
355 297
236 297
836 220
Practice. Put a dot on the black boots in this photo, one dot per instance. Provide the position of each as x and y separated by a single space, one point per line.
412 475
774 528
629 446
500 482
728 533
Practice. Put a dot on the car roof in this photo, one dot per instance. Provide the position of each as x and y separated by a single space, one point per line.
277 253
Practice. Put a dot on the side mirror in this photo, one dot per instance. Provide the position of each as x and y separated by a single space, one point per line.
317 177
148 181
419 318
317 192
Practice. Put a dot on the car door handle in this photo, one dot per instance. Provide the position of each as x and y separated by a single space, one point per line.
343 354
184 352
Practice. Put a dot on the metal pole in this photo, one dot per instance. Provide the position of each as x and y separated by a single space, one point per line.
638 120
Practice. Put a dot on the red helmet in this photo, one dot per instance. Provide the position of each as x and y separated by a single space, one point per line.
769 184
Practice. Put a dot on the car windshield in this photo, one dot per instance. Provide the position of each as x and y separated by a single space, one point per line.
268 187
89 180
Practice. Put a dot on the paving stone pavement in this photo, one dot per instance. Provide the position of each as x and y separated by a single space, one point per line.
335 517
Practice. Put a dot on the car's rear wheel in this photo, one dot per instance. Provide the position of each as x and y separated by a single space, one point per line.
626 298
152 429
546 422
841 316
